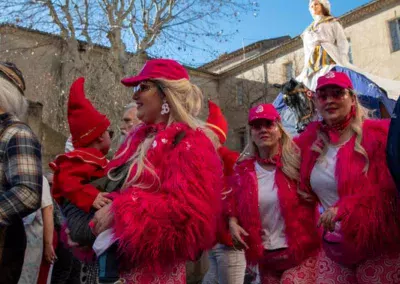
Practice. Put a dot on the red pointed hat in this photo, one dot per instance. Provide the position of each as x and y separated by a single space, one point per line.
158 68
85 122
216 121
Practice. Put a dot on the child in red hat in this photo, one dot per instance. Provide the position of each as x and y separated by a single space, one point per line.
74 171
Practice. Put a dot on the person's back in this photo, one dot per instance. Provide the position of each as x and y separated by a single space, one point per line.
393 146
20 172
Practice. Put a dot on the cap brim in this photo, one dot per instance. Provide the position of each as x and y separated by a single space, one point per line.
134 81
344 86
272 118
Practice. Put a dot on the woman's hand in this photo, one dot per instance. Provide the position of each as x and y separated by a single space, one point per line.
237 232
101 200
103 220
49 254
328 219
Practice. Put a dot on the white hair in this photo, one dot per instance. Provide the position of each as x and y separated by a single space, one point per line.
11 100
129 106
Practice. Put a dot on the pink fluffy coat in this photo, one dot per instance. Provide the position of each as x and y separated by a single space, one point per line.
175 218
368 205
301 233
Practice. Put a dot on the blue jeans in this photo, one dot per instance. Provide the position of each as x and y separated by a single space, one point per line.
227 266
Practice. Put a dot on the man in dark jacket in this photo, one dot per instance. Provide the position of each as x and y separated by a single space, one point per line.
20 172
393 146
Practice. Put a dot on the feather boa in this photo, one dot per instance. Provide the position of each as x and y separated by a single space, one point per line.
301 233
368 207
175 219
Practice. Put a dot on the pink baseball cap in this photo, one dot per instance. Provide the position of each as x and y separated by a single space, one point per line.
334 79
264 111
158 68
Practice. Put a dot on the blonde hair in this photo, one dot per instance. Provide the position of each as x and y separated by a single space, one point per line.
11 100
290 153
356 126
184 99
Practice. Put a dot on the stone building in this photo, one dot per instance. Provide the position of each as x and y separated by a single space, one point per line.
236 80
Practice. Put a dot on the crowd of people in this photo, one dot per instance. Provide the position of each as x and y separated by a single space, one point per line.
322 207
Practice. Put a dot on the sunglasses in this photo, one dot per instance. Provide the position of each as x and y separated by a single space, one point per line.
335 94
260 123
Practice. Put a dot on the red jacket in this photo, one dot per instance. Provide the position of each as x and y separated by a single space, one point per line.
229 159
300 229
368 207
72 173
175 217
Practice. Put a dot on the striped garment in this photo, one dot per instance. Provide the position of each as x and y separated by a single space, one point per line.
318 60
20 191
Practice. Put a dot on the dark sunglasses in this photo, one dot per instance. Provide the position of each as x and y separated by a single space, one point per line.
335 94
260 123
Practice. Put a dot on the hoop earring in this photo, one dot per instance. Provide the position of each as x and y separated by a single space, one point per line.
165 107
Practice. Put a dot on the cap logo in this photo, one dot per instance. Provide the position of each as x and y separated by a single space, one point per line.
259 109
330 75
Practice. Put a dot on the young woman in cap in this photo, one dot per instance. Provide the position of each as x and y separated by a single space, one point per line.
344 168
267 218
166 213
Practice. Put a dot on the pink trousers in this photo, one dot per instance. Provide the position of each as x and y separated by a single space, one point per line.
384 269
174 275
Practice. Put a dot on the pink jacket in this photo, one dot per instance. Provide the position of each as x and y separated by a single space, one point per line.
301 233
368 206
175 218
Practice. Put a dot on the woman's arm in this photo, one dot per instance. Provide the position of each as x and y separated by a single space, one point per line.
48 231
341 41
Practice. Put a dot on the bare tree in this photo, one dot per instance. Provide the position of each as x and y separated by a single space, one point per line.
139 26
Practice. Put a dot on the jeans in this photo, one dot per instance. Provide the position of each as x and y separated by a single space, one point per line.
227 266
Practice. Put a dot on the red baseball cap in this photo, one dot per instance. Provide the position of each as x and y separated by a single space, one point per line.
264 111
335 79
158 69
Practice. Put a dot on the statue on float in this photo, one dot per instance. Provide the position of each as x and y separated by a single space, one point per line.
326 49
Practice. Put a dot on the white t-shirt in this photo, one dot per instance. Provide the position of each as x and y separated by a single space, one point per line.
272 222
46 195
322 179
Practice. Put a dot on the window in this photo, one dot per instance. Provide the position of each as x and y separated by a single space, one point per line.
239 94
289 71
350 51
242 139
394 27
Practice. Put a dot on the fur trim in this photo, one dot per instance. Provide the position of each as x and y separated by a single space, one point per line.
177 220
302 236
368 205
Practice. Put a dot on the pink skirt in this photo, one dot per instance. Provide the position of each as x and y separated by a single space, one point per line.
174 275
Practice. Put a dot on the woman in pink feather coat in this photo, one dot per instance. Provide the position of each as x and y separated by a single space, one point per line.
344 168
167 209
267 217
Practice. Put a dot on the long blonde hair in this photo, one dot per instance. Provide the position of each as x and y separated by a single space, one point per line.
356 126
11 100
185 100
290 153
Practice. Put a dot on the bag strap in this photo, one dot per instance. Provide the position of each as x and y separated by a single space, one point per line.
178 137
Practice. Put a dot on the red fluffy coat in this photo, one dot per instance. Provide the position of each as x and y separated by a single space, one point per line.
301 233
368 206
174 219
229 159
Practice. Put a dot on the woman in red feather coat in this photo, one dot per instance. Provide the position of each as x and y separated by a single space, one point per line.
267 217
344 168
167 210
